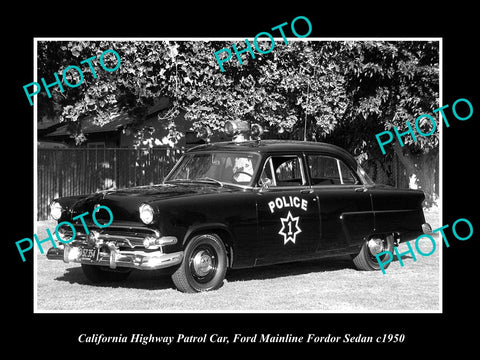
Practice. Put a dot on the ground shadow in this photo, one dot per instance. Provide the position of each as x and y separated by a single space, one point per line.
160 279
147 280
395 257
290 269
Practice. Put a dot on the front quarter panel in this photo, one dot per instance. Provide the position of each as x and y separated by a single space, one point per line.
231 214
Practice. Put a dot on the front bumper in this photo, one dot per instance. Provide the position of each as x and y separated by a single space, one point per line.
114 258
122 244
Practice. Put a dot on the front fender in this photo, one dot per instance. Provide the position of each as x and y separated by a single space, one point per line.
207 227
68 203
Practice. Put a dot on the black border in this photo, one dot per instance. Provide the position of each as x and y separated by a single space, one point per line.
425 332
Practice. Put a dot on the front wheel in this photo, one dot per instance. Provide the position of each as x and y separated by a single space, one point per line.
366 259
203 266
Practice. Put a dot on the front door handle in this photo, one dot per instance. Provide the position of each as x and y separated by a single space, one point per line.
361 189
306 191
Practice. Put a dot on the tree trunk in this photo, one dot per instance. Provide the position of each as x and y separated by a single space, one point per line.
423 166
428 166
406 159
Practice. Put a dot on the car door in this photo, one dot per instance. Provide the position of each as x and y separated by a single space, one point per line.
346 215
287 211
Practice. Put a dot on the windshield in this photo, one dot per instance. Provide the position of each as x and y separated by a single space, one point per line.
216 167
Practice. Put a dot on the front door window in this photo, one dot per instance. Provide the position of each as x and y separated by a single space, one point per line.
283 171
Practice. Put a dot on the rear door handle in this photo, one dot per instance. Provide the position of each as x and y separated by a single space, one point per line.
361 189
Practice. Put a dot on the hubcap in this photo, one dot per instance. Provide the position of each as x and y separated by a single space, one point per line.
202 263
375 246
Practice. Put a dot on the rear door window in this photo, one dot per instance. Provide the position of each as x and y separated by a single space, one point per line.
327 170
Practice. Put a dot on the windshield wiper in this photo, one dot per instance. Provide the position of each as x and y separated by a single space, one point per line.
211 180
178 180
203 179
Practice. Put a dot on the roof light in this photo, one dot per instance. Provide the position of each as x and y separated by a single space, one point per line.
236 127
241 130
204 133
256 131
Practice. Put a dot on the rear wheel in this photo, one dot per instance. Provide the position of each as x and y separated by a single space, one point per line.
366 259
101 274
203 266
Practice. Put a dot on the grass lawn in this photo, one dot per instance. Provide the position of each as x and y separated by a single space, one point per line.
316 286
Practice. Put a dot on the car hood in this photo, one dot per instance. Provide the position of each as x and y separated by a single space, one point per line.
124 203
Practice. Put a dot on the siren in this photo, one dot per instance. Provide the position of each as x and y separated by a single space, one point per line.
236 127
240 129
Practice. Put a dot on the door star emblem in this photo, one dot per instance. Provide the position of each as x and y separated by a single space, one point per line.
290 228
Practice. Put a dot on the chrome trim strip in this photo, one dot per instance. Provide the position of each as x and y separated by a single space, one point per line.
125 239
167 240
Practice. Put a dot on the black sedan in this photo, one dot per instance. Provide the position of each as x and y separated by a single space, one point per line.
239 205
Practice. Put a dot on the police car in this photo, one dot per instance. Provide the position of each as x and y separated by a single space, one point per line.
241 204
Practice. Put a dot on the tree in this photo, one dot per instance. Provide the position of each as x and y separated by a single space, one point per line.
388 84
281 90
278 90
147 71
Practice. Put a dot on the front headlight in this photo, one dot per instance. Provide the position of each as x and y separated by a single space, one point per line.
56 210
146 213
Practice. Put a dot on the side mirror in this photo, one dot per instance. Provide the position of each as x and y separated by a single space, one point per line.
265 184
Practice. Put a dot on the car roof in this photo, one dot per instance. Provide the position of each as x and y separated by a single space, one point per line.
274 146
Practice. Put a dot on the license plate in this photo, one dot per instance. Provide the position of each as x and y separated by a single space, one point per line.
89 254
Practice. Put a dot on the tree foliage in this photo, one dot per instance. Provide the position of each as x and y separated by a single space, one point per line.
365 85
279 90
390 83
344 92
